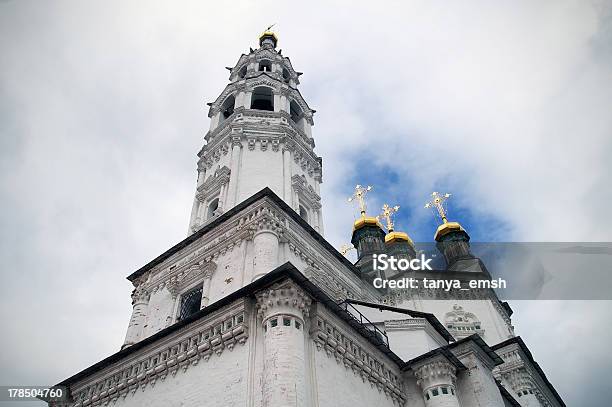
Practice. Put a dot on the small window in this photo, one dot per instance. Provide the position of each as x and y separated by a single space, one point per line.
265 65
286 322
286 75
212 208
273 322
303 213
190 302
427 396
452 391
435 392
444 390
297 325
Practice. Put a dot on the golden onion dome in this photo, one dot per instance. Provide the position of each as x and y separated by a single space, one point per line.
366 221
447 228
394 236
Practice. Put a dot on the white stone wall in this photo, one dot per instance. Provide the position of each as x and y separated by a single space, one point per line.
337 386
222 381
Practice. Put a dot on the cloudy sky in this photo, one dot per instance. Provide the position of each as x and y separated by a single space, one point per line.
103 107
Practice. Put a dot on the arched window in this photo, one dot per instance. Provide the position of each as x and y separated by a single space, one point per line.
295 111
227 108
262 99
265 65
212 208
303 213
286 76
242 72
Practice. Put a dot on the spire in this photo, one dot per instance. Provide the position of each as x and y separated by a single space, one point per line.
260 136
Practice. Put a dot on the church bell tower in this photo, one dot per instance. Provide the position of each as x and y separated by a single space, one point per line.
260 136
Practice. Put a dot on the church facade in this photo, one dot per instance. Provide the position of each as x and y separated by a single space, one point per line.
255 308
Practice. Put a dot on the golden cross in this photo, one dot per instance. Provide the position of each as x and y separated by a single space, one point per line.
359 195
345 248
387 213
437 201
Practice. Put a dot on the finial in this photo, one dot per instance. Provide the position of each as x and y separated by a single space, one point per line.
437 201
387 214
268 37
359 196
345 248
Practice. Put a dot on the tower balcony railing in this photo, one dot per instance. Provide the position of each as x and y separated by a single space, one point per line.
365 322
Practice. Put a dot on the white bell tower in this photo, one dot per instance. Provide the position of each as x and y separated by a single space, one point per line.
260 136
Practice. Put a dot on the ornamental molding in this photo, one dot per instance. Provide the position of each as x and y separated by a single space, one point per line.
140 295
461 323
213 183
306 191
280 297
264 53
264 79
434 372
355 355
186 277
519 373
212 155
199 341
327 281
290 137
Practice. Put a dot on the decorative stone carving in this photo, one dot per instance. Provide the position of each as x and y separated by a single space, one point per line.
286 298
348 351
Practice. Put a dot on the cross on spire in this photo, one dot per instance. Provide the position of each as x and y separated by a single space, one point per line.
437 201
359 196
387 214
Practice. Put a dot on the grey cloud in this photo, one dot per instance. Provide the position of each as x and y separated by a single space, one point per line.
103 110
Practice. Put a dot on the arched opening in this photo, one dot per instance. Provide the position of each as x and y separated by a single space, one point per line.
227 108
242 72
212 208
303 213
262 99
295 112
286 76
265 65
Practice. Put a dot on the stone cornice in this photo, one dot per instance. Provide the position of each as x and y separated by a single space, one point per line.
355 355
275 136
282 297
435 372
523 374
